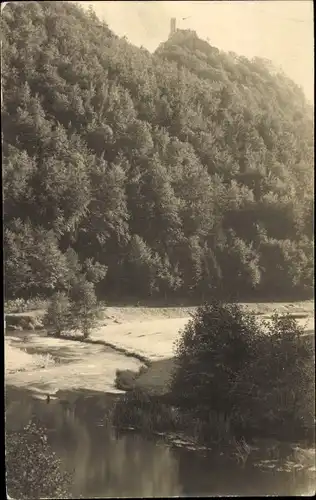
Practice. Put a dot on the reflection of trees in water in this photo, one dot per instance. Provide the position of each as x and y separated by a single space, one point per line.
129 466
17 414
202 476
102 464
132 466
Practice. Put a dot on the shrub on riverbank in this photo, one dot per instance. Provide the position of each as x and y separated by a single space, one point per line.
261 375
234 378
32 469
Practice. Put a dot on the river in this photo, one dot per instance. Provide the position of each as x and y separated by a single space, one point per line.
106 464
109 465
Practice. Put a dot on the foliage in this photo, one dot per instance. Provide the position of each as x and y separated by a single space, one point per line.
83 306
32 469
280 392
182 172
15 306
73 312
260 375
21 305
145 413
33 260
216 344
57 317
151 414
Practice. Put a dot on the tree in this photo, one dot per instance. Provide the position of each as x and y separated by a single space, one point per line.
75 308
142 267
72 312
34 263
83 303
57 317
240 264
18 169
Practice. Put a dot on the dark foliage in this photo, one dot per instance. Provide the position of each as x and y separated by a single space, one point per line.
261 376
32 468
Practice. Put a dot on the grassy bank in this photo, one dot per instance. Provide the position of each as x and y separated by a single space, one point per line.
154 379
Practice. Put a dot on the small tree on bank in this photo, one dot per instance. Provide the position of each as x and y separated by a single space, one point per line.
74 312
75 308
57 317
83 306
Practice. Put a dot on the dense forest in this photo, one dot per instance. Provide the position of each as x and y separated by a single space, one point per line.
173 174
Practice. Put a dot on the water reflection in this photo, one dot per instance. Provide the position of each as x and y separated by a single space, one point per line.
108 465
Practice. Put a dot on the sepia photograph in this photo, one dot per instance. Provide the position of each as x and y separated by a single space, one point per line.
158 248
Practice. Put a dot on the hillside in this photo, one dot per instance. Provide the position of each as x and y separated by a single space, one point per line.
169 174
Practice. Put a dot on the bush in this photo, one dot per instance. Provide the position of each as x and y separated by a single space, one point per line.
36 303
147 413
125 380
278 387
259 375
32 469
15 306
215 346
21 305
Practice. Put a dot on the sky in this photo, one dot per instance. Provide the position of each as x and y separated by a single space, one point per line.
279 30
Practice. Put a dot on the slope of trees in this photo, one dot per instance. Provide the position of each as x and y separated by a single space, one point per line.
178 172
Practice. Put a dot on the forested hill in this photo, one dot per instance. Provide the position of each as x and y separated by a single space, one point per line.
177 173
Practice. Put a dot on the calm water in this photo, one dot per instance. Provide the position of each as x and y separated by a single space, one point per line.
107 465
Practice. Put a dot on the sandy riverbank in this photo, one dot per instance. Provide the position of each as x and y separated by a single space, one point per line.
150 332
46 364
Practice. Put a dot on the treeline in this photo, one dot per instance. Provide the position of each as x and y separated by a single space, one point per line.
171 174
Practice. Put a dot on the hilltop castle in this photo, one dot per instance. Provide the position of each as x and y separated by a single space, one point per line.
174 29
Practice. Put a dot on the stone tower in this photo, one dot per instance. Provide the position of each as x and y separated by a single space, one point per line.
172 26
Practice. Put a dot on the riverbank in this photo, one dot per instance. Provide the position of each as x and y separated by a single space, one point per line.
142 335
46 364
111 315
